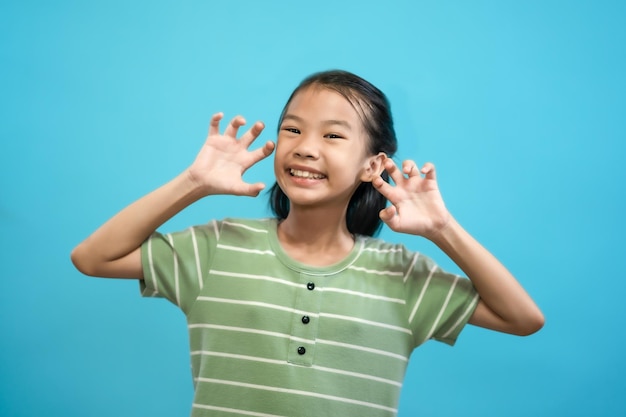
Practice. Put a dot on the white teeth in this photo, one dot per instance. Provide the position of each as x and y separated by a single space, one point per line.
305 174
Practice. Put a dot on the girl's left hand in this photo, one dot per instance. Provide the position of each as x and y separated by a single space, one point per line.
416 203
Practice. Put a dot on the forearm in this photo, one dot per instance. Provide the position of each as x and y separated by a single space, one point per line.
103 253
508 306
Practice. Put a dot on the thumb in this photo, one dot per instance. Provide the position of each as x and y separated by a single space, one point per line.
252 190
390 217
388 213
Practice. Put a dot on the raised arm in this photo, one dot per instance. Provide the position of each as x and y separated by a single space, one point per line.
113 250
417 208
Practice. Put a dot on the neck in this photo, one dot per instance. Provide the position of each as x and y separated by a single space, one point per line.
315 236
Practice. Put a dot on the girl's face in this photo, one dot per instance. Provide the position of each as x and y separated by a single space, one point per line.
321 155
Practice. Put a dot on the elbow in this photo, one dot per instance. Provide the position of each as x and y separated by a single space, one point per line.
81 261
531 324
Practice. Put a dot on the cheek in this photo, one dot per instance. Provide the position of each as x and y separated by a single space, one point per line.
279 158
279 151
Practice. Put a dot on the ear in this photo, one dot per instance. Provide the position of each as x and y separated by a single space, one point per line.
373 167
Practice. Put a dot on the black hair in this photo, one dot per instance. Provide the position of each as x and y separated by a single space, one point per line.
371 104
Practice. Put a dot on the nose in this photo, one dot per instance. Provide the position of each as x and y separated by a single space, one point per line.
307 147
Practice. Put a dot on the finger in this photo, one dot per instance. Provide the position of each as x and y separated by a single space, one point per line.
429 171
252 133
234 125
393 171
214 125
409 167
262 153
383 187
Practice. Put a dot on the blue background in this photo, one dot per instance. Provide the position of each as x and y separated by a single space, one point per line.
520 105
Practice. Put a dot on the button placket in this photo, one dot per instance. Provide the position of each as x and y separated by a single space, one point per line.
304 326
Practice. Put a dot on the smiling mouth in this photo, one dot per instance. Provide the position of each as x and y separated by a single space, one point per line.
305 174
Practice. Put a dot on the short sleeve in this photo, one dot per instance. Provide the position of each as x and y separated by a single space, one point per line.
176 264
439 303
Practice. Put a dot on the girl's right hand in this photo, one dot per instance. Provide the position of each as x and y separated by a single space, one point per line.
220 164
113 250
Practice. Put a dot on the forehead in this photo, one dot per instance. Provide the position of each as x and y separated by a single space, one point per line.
321 102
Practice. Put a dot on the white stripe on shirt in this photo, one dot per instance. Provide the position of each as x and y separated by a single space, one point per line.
243 226
376 272
410 268
197 256
364 295
245 250
284 363
234 411
170 238
257 277
155 285
363 321
296 392
287 336
462 318
443 308
419 299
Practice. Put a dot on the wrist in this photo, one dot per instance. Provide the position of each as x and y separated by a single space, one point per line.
189 188
193 185
444 231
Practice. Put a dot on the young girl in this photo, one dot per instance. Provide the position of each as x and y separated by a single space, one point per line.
306 314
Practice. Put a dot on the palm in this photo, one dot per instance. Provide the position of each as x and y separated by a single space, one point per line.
223 159
416 203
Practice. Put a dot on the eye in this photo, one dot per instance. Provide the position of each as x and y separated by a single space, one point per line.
292 130
333 136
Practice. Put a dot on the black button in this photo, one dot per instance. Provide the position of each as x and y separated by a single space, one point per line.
310 286
301 350
306 319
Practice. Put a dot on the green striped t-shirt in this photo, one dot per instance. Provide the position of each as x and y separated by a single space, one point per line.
270 336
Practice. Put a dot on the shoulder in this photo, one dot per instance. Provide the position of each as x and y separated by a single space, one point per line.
214 229
262 225
241 231
246 227
375 242
385 253
227 224
394 255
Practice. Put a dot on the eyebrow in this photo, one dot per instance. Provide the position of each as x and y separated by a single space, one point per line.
330 122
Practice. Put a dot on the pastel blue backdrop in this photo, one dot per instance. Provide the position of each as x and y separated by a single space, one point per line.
520 104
